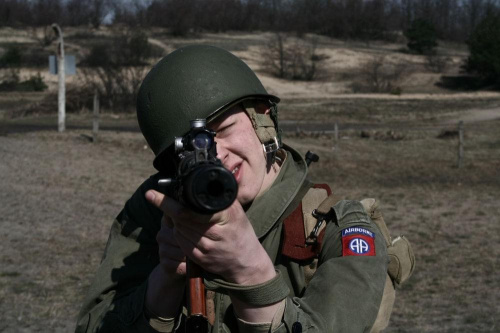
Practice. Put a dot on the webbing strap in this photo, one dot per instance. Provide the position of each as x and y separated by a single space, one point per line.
262 124
372 209
326 206
295 245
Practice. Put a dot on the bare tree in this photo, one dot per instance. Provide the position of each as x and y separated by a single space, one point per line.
77 12
347 19
15 12
98 11
292 58
46 12
44 35
377 75
131 13
116 71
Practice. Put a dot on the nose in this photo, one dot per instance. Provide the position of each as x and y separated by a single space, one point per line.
222 152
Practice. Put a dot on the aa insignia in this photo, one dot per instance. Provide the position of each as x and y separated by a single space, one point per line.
358 242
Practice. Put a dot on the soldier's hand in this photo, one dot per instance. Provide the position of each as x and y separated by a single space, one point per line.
224 243
172 259
167 281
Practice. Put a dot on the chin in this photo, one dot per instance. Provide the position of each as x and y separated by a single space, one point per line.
245 198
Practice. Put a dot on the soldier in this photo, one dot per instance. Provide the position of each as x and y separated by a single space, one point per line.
259 284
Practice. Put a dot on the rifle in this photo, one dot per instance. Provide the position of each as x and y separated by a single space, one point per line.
205 186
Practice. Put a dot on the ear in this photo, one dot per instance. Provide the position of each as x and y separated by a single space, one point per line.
262 108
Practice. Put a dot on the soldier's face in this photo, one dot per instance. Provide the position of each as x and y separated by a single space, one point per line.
241 152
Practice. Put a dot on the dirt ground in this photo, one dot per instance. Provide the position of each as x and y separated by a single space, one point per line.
59 192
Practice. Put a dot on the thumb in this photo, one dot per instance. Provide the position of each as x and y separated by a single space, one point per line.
155 197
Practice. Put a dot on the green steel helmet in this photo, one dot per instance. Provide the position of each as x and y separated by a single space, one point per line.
193 82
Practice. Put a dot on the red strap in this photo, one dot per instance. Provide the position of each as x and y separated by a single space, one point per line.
294 239
324 187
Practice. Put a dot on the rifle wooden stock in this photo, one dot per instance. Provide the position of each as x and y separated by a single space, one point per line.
197 313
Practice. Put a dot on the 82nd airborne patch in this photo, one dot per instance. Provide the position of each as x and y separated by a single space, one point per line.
358 241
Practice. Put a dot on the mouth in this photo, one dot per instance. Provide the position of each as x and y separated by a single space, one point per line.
236 172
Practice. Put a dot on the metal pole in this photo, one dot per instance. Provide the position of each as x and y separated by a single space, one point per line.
95 123
336 131
61 96
460 144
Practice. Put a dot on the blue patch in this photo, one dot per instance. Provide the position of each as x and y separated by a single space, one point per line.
357 230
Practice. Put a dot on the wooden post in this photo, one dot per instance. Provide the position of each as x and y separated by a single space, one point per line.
61 95
460 144
95 121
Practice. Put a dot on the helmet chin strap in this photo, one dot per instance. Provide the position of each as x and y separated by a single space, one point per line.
265 129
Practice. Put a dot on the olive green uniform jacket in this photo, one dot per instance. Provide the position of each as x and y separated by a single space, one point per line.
344 294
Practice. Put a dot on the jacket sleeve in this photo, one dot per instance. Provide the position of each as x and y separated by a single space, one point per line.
345 292
116 295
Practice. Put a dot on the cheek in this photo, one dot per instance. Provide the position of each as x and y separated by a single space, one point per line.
254 148
248 143
251 150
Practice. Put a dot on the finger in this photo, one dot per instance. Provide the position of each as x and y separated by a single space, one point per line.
166 237
169 206
171 253
154 197
197 231
202 223
225 216
173 208
179 268
167 221
189 246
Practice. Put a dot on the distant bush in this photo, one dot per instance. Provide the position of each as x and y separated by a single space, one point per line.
99 56
484 48
37 57
117 86
379 76
129 49
11 82
9 78
437 63
28 57
11 58
78 98
44 35
116 69
34 83
134 49
422 37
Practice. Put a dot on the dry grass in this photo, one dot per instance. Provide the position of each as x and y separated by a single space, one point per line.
59 193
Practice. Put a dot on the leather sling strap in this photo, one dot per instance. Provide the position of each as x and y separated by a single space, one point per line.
296 244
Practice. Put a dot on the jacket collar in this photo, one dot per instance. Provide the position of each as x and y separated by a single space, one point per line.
266 210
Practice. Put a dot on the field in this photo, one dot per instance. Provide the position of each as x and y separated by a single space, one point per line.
59 192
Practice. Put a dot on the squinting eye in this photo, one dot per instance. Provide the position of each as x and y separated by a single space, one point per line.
222 130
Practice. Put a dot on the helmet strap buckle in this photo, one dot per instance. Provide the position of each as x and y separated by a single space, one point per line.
270 152
272 147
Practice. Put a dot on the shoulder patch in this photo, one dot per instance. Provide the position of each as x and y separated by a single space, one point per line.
357 241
